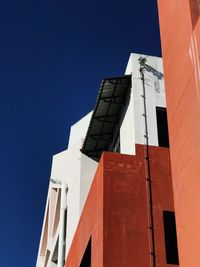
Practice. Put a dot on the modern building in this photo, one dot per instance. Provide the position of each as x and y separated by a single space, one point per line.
110 200
180 37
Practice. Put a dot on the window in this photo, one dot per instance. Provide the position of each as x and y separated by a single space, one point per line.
86 260
194 11
54 258
116 146
65 225
171 247
162 127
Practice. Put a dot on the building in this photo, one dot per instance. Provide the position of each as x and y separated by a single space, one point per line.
180 37
110 199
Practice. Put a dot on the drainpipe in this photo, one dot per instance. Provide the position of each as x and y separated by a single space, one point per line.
63 207
148 172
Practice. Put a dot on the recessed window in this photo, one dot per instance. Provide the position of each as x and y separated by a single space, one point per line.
86 260
171 247
65 225
54 258
116 146
162 127
194 11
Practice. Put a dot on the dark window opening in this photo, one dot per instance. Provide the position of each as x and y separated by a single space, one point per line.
116 146
162 126
171 247
65 233
55 253
194 11
65 225
86 260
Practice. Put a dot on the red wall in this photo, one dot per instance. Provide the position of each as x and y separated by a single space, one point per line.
116 213
180 37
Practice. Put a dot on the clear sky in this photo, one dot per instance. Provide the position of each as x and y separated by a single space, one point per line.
53 55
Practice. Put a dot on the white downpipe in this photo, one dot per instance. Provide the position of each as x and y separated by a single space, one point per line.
63 207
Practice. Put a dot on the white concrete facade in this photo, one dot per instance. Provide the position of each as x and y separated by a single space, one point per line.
76 171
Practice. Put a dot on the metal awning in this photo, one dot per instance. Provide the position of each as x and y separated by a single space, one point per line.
112 98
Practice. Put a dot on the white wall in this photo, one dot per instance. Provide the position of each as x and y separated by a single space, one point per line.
133 129
79 129
77 170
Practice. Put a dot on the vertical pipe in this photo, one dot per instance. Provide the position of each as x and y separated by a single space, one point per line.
148 178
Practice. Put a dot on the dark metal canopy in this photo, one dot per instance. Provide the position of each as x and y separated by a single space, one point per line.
107 116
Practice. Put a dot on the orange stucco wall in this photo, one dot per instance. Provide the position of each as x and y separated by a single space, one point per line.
180 38
115 215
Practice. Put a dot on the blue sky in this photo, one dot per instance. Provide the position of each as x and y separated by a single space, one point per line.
53 55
